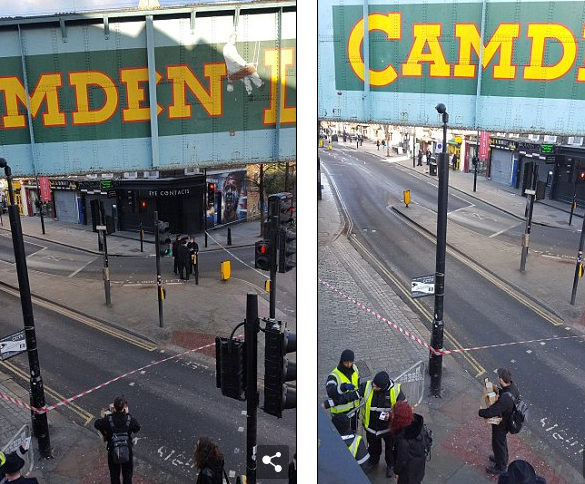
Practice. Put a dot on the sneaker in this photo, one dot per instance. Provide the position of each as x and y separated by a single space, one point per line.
389 472
492 469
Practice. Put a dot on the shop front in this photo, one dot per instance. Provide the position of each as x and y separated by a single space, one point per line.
66 201
566 186
502 161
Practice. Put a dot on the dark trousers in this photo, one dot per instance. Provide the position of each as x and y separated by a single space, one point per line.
175 265
500 446
184 268
126 470
375 448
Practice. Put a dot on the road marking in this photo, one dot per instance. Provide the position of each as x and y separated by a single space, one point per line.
73 274
543 313
92 323
86 416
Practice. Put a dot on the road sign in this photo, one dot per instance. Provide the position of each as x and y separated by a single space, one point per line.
422 286
100 227
12 345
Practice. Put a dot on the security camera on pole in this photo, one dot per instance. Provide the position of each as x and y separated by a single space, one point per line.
436 360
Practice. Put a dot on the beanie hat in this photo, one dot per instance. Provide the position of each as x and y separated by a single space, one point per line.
382 380
341 423
13 463
347 355
521 472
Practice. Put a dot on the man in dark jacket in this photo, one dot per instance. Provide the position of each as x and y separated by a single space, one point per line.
183 259
342 384
119 419
12 465
355 443
175 249
501 408
379 397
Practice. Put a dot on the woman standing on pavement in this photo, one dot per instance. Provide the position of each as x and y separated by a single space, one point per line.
409 452
210 461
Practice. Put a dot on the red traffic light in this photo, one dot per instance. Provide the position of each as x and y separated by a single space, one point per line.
582 175
143 204
211 186
262 249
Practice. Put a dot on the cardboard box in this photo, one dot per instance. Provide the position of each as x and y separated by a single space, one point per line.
489 397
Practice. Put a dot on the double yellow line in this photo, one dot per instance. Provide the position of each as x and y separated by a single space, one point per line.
85 416
419 307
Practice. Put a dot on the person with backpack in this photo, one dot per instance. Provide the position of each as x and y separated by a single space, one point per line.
117 429
502 407
412 443
209 460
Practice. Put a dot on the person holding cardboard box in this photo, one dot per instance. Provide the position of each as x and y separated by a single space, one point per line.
502 407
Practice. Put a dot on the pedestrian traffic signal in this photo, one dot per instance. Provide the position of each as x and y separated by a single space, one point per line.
287 209
210 195
582 176
230 367
263 255
142 206
287 250
278 370
164 238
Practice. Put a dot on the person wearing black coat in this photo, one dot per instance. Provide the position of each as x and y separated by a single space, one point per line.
409 450
501 408
209 460
183 259
175 249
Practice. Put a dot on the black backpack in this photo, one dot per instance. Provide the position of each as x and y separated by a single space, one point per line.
120 442
518 416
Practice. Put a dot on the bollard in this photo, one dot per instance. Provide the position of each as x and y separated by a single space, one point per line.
225 270
229 236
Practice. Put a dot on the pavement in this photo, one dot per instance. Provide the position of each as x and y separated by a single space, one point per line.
461 439
193 316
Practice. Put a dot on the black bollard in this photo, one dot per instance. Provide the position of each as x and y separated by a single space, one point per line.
229 236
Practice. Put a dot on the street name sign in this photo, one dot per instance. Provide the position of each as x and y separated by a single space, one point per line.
12 345
422 286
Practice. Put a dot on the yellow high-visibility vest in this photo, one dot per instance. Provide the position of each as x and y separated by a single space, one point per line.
369 394
341 378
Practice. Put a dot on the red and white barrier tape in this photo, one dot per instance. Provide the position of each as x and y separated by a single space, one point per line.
437 352
46 409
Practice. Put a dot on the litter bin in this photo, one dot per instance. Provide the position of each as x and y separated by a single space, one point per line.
432 169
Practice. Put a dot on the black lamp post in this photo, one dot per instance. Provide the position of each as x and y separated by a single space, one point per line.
37 392
436 361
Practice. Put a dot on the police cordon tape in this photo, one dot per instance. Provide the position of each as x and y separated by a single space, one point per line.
437 352
46 408
235 256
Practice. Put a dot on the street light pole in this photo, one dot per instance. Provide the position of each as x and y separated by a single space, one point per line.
436 360
37 393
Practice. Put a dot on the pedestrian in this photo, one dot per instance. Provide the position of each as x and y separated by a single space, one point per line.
378 144
117 429
357 140
183 256
292 470
379 396
209 460
342 385
454 161
520 472
420 157
502 407
175 249
354 442
193 251
409 447
22 449
428 154
11 466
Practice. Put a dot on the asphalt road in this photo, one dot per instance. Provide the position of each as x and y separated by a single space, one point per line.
550 374
175 401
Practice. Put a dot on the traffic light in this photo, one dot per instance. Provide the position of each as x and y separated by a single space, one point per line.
164 238
287 250
210 195
263 254
581 178
142 206
278 370
230 367
286 209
